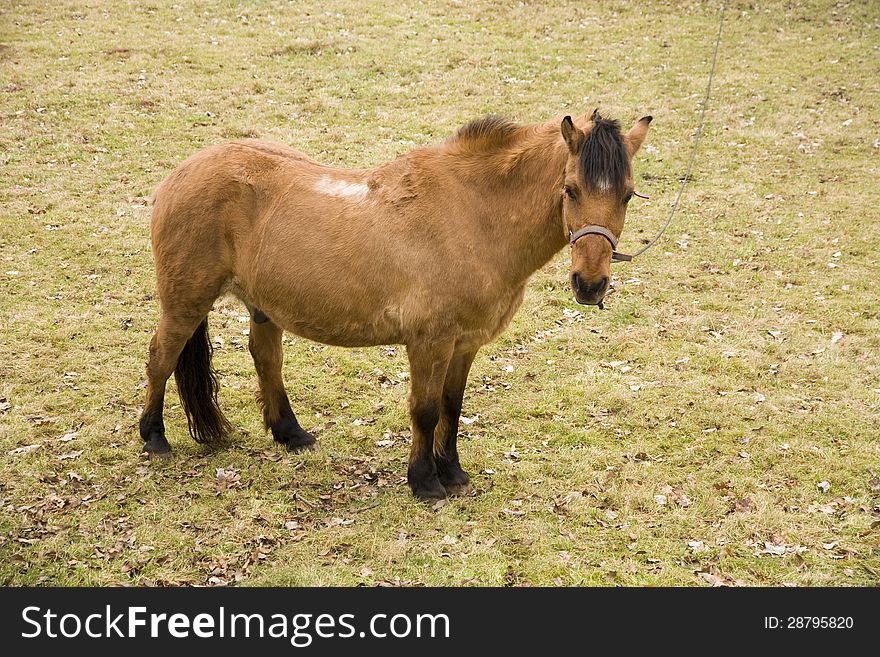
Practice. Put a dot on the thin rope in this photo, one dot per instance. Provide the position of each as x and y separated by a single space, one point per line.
687 175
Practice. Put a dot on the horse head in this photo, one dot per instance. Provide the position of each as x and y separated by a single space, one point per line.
598 187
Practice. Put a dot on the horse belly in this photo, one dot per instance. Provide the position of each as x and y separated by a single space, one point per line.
343 332
328 320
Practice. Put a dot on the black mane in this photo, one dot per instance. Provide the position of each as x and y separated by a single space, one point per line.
604 158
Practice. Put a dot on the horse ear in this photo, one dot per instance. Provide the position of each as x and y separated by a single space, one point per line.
570 134
637 134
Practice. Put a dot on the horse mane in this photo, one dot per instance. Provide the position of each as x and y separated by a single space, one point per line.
604 158
491 130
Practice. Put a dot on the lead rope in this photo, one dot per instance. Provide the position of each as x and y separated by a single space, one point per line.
687 174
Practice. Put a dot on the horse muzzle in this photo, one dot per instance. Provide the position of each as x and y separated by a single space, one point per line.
589 293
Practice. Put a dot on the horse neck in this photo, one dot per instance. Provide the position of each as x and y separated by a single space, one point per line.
526 222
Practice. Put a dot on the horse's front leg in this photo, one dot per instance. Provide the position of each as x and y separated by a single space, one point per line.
428 364
454 479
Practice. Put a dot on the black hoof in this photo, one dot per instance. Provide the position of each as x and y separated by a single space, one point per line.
152 430
428 489
454 476
459 490
157 447
425 485
454 479
423 481
296 440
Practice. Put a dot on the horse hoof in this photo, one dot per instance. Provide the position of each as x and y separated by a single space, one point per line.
157 450
157 447
455 479
302 441
297 449
460 490
430 490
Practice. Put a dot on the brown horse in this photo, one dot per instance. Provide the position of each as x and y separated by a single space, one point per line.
432 251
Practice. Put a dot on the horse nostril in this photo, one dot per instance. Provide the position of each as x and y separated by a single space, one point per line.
602 285
575 281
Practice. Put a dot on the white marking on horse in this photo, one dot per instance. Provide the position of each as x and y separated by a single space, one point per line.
342 189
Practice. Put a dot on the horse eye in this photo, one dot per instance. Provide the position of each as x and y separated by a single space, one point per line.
569 192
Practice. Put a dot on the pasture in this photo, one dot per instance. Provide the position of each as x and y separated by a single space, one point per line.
717 423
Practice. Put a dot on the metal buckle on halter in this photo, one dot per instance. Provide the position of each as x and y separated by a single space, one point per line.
595 229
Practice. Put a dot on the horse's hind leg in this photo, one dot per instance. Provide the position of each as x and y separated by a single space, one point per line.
265 346
165 348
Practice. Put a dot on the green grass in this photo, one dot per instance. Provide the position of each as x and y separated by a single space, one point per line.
749 336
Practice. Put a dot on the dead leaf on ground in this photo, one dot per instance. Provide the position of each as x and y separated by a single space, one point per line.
713 577
338 522
778 548
774 548
830 508
681 499
227 478
25 449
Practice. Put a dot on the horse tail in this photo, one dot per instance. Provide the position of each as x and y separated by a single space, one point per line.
197 385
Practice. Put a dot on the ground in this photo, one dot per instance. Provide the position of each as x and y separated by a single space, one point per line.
718 423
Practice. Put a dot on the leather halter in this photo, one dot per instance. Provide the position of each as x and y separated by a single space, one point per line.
595 229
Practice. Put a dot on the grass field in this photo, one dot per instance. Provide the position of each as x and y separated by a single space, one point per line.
718 423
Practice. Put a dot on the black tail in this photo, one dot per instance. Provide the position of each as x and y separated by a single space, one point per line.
197 385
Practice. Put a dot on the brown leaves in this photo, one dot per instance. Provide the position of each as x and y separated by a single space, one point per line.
669 494
837 506
710 578
72 435
297 529
227 478
392 438
743 505
225 570
337 522
777 547
514 513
